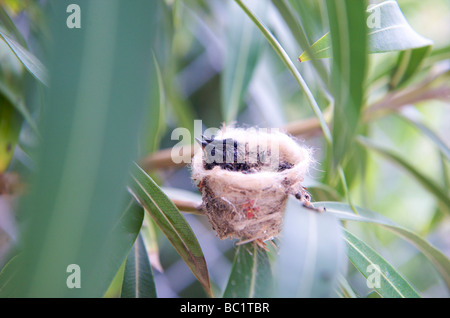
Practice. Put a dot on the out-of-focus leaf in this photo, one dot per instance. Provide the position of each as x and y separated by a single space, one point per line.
349 69
296 28
312 253
344 212
251 275
388 31
96 102
9 25
155 125
408 64
345 289
10 123
12 83
31 62
171 222
151 242
122 236
319 191
438 54
443 148
8 270
138 277
244 43
371 265
430 185
288 62
18 104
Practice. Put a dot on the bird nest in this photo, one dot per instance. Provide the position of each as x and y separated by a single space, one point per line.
245 177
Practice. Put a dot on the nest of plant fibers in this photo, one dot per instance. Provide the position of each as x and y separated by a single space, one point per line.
245 197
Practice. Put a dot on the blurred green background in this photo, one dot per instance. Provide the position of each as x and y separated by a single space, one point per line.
185 60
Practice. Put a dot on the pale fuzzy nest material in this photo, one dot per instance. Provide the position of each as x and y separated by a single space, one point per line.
250 206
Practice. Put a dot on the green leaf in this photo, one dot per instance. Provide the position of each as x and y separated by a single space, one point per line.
369 263
155 125
344 212
409 62
16 101
322 192
171 222
345 289
288 62
427 183
7 288
348 72
10 124
312 253
12 83
439 143
244 43
31 62
251 274
98 97
388 30
138 277
8 23
295 23
320 49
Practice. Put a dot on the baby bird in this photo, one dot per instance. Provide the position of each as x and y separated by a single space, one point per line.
230 155
225 153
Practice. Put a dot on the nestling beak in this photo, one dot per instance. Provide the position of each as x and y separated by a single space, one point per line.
201 143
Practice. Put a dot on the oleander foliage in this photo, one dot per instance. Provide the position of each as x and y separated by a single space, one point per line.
86 117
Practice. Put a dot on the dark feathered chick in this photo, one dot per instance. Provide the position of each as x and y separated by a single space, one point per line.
226 153
230 155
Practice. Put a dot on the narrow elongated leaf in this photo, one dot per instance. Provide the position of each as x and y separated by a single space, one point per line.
98 97
138 277
443 148
349 70
245 47
370 264
408 64
388 30
9 270
16 101
296 27
344 212
12 82
320 49
171 222
288 62
155 125
430 185
312 253
9 25
31 62
251 275
345 289
10 123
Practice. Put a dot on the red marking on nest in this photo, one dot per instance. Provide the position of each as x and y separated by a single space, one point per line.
250 209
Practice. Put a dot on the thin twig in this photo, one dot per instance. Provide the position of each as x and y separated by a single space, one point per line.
193 207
